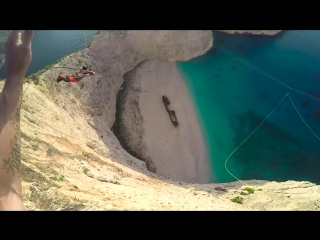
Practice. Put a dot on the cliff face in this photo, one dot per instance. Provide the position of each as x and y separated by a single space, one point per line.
121 51
253 32
72 161
114 53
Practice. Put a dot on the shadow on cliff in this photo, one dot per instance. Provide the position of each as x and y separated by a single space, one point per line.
112 55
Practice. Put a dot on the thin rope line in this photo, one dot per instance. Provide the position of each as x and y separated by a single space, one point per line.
262 72
303 119
287 95
225 163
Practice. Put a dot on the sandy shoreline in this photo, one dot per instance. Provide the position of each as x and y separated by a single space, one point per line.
177 153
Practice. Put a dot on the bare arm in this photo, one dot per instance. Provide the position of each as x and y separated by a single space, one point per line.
9 99
10 159
18 52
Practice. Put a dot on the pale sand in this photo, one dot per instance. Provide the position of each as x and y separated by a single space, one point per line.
178 153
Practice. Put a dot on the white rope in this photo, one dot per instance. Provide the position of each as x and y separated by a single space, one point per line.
262 72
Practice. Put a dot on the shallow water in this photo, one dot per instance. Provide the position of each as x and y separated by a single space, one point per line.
233 99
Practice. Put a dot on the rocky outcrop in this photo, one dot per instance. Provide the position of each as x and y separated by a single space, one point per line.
113 53
252 32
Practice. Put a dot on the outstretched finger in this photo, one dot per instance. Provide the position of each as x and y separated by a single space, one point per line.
27 37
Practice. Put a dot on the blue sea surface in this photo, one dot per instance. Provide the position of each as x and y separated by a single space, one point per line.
233 99
49 46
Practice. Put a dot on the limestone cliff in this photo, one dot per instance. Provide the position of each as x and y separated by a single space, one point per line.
113 53
253 32
116 52
72 161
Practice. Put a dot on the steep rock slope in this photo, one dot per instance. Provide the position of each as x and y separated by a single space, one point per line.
66 167
113 53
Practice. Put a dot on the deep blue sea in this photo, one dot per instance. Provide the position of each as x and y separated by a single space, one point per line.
233 99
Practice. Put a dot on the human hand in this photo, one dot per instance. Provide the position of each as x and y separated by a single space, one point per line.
18 54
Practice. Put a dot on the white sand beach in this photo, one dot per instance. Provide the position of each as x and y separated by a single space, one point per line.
178 153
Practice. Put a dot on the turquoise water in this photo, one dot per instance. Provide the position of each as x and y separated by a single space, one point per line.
49 46
233 99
